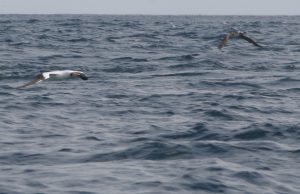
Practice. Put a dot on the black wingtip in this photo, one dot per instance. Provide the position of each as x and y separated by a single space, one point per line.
83 77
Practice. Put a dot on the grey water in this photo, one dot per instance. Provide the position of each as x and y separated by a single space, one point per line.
164 110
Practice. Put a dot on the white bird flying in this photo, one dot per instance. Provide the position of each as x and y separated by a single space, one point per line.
63 74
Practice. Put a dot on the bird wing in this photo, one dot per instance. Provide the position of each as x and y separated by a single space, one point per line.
83 76
36 80
224 41
249 40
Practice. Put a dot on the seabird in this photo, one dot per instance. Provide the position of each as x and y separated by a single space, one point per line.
237 34
63 74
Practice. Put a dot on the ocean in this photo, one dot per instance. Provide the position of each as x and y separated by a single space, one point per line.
164 110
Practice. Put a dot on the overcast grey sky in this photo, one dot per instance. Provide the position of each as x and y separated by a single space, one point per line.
161 7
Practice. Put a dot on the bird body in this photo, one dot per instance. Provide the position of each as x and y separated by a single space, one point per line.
60 74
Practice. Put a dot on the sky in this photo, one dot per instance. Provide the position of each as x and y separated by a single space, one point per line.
152 7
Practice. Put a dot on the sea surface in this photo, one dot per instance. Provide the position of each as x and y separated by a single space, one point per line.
164 110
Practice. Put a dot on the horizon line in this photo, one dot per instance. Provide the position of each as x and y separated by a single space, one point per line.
136 14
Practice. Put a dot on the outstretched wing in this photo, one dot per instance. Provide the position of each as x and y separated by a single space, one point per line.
249 40
224 41
36 80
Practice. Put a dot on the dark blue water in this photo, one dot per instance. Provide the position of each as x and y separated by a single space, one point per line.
164 110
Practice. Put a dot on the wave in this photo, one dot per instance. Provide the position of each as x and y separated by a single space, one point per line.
145 151
130 59
180 58
267 131
32 21
182 74
192 35
79 40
